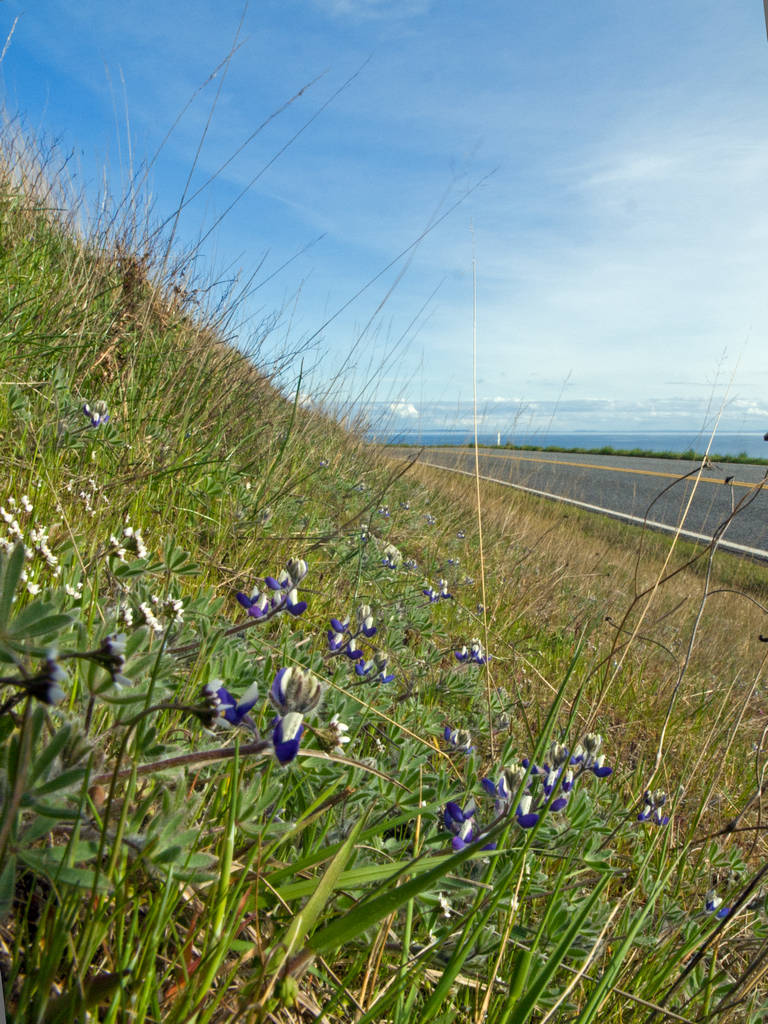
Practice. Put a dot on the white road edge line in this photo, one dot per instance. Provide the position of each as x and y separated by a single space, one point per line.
740 549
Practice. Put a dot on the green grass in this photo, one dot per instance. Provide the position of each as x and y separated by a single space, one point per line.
157 866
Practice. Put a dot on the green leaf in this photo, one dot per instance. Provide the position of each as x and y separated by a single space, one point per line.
66 779
363 876
366 915
96 990
7 879
43 863
46 757
10 573
304 922
543 976
39 619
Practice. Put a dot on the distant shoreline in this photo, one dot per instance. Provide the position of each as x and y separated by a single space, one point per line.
689 455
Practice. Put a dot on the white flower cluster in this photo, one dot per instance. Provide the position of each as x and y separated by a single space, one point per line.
90 497
131 540
172 608
35 541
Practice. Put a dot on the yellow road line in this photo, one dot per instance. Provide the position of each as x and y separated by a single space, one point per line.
608 469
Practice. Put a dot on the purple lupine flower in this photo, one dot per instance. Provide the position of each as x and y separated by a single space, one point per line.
436 595
476 655
97 414
224 705
459 738
283 590
653 801
341 639
352 651
505 789
336 639
526 818
45 686
112 656
293 605
585 754
286 735
365 621
374 670
532 802
295 689
256 605
462 825
714 905
459 823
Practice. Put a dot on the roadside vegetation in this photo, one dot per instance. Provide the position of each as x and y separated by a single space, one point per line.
294 731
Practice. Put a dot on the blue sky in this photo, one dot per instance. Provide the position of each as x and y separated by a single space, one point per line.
612 156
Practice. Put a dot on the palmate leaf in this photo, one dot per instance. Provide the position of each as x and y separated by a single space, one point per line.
50 863
38 619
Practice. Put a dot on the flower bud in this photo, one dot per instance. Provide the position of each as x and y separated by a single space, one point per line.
296 690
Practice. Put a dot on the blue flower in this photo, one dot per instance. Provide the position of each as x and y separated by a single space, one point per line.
97 414
436 595
336 637
462 825
296 690
526 818
225 705
653 801
286 736
392 558
45 686
714 905
283 591
257 605
476 655
341 639
459 822
365 621
585 754
352 651
458 738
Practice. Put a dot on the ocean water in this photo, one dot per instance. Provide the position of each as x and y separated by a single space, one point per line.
725 443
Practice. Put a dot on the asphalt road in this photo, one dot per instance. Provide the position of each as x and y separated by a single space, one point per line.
634 489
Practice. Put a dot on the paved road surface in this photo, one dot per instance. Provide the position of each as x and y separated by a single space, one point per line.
633 488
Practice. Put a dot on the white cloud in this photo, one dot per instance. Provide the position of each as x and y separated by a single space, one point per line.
401 408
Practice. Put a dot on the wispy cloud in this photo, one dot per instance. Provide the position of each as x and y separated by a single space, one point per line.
364 9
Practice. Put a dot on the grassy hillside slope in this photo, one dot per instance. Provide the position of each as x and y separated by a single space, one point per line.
285 736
